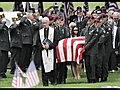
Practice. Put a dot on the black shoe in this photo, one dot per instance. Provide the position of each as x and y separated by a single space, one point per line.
45 84
103 79
92 81
4 76
97 80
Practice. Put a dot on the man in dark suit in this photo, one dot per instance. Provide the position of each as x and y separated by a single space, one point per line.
116 19
15 44
4 48
37 25
117 46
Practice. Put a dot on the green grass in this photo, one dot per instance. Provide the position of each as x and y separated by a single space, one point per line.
7 6
113 80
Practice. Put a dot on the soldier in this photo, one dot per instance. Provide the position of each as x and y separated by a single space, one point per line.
91 51
4 48
27 41
37 25
108 46
15 44
63 32
101 49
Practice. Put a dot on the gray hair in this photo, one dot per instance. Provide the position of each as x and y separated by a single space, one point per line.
45 18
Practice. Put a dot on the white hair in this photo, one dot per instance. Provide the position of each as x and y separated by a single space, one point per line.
115 13
45 18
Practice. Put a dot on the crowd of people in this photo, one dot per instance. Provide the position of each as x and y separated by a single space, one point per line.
27 38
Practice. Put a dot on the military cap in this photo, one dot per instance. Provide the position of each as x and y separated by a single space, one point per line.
0 16
14 19
19 14
55 4
99 11
103 15
36 14
53 12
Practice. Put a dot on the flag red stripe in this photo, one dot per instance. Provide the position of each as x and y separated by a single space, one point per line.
58 54
65 49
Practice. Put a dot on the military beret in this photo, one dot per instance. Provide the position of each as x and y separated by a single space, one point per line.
103 15
50 17
90 17
97 20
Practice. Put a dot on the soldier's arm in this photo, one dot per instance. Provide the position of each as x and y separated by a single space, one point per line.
91 43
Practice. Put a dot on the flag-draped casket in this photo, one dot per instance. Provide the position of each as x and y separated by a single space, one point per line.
70 49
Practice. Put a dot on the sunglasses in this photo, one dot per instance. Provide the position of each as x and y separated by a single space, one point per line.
75 30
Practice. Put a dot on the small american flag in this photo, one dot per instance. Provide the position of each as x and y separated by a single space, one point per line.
17 80
32 75
86 6
70 49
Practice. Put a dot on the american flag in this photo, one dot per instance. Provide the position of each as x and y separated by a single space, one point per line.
67 6
40 7
86 6
70 49
113 5
17 79
32 76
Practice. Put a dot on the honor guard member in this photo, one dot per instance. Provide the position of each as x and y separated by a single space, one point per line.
48 54
63 32
27 41
15 44
91 51
101 49
4 48
108 46
37 25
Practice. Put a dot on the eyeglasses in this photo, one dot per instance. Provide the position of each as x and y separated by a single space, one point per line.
115 18
75 30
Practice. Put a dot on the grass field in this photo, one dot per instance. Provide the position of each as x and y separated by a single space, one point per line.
113 79
7 6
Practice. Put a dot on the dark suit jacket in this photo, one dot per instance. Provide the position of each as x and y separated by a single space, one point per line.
117 40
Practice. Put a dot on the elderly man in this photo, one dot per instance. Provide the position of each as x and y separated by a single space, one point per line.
116 19
47 41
